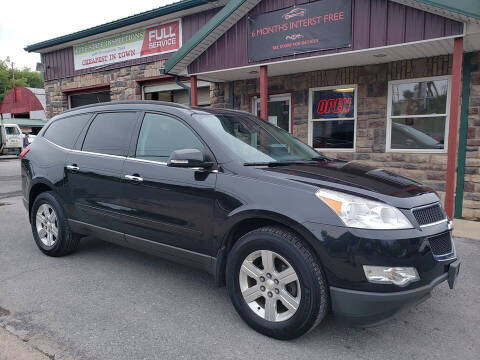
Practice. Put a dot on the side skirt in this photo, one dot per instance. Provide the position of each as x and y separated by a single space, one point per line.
168 252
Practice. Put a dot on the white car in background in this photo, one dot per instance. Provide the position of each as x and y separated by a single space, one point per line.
14 140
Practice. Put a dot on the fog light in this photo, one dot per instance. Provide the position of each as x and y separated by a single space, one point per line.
400 276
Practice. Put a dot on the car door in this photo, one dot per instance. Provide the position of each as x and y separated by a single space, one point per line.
170 206
94 175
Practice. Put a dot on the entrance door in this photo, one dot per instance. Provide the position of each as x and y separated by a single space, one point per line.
279 110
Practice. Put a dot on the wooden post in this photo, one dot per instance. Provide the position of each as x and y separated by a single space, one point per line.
263 93
453 125
193 91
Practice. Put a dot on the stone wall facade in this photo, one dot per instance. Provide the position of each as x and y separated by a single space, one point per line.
372 90
122 82
372 94
471 196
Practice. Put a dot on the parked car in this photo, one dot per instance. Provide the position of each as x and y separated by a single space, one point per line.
13 142
292 233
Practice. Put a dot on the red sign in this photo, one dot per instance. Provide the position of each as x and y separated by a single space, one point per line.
161 39
339 106
333 103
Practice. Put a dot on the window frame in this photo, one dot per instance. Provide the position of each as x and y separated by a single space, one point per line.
272 97
69 97
311 120
388 137
83 135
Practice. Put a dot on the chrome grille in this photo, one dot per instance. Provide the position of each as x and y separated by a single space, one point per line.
429 214
441 244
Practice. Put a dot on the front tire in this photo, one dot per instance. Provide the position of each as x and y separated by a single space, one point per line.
276 283
50 227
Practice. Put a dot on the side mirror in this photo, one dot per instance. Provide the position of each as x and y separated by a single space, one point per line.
188 158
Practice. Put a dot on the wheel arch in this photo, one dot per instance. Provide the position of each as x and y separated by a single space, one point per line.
38 186
247 221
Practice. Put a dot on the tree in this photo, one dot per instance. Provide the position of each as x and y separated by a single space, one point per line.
23 77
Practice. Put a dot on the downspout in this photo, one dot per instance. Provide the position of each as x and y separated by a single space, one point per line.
231 100
182 85
463 131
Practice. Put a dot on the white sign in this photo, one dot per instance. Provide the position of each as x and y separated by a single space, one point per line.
156 40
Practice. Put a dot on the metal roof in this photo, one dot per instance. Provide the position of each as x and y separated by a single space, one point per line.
25 122
467 10
233 11
113 25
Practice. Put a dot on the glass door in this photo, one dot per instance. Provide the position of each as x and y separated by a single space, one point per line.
279 110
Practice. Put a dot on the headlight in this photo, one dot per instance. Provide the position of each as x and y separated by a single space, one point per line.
400 276
357 212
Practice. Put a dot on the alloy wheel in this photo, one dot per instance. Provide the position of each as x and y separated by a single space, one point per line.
270 285
47 225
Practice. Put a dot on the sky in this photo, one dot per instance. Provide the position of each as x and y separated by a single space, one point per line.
26 22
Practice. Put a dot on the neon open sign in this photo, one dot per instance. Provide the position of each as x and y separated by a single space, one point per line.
333 104
337 106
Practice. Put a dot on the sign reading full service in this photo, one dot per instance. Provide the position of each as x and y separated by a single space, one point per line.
156 40
320 25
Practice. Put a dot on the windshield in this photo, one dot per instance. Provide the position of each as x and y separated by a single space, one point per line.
255 140
11 130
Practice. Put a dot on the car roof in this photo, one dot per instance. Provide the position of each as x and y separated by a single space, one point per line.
127 102
144 105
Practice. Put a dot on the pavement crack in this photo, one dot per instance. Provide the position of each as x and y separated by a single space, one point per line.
23 273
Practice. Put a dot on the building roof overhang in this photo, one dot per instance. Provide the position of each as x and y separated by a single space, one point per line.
384 54
467 11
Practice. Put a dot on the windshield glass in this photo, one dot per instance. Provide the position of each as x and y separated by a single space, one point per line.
255 140
11 130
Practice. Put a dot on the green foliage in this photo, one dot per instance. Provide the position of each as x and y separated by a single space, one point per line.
24 77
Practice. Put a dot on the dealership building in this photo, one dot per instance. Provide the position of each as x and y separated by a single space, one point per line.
390 83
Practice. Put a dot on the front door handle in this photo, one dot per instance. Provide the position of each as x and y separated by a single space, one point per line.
73 167
134 178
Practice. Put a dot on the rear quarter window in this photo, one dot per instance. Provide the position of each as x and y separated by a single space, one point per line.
65 131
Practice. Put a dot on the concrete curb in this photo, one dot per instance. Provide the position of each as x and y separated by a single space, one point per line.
466 229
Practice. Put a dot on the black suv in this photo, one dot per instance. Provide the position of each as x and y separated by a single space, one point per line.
292 233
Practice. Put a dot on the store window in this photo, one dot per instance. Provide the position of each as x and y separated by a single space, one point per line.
77 100
333 112
418 115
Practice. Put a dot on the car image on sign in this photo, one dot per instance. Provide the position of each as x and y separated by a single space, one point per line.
294 13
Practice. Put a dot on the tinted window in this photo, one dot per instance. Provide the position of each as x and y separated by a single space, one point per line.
110 133
65 131
11 130
90 98
161 135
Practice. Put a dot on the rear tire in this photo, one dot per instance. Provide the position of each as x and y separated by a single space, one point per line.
50 228
286 301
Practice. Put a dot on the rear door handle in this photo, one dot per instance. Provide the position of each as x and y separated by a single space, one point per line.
134 178
73 167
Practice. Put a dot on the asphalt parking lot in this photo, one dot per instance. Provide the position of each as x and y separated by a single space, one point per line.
107 302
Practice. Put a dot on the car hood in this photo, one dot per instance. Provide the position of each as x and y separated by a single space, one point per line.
359 179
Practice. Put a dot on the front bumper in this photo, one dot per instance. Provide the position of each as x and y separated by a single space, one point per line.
362 308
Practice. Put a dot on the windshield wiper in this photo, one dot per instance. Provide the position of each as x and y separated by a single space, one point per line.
322 158
276 163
